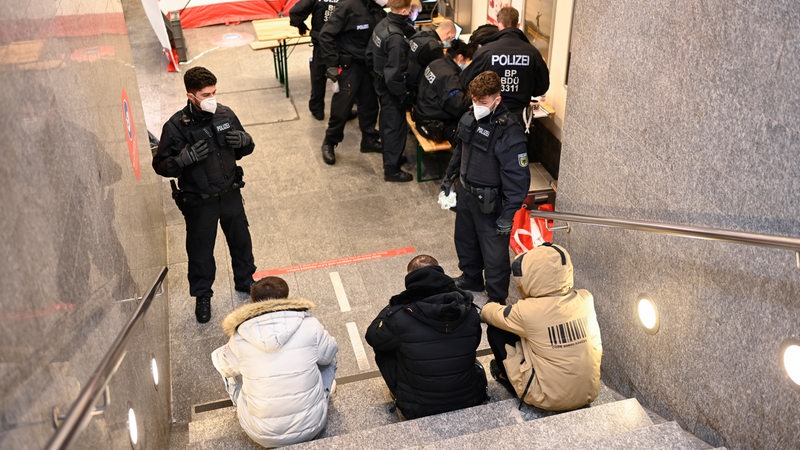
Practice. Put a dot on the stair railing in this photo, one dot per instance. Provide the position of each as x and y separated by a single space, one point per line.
763 240
83 409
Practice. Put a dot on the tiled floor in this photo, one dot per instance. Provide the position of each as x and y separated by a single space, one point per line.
301 211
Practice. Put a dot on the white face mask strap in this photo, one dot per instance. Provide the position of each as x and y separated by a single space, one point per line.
527 118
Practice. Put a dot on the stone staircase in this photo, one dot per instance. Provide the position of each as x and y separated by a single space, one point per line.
360 417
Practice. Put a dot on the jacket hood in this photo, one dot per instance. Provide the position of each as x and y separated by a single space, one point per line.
546 272
424 282
513 32
433 298
252 310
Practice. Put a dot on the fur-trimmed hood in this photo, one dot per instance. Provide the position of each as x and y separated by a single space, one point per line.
298 306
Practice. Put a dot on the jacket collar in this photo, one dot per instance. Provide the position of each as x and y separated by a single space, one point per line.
249 311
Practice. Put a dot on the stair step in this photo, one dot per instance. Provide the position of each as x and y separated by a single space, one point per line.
425 429
559 430
668 435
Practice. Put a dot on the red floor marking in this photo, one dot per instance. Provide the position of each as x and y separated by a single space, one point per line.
334 262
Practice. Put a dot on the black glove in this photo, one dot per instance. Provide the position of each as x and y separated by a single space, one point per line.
302 29
447 183
332 73
503 226
191 154
238 138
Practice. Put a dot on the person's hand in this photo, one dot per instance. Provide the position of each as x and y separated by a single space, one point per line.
503 226
191 154
332 73
238 138
302 29
447 183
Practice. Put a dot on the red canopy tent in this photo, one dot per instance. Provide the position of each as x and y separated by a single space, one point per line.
200 13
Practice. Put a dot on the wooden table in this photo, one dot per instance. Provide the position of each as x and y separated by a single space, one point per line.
275 35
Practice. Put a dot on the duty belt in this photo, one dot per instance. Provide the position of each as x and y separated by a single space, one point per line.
474 190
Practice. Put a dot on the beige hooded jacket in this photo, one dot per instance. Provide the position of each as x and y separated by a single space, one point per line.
560 337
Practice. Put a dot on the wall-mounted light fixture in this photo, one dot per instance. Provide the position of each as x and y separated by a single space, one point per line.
790 361
648 314
154 370
133 427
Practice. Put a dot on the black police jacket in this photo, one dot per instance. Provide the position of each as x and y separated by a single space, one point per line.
344 37
493 153
387 52
440 96
424 47
432 330
519 64
217 172
319 10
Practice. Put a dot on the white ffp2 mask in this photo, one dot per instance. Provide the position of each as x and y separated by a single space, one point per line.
209 105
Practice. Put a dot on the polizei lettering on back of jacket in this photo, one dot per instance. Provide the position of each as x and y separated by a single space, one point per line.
511 60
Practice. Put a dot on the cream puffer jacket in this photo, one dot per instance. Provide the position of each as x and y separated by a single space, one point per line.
277 348
560 337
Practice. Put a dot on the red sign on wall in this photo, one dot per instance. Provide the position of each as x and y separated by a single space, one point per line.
130 133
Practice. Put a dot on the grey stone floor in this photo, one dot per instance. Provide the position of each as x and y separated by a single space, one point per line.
301 211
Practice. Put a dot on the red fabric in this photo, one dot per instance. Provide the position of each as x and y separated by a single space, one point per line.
230 12
547 235
521 240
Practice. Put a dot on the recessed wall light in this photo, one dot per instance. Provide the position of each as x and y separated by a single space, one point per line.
154 370
648 314
790 361
133 427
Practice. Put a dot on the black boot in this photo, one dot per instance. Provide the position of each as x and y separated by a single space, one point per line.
202 309
327 153
371 144
397 176
244 287
462 282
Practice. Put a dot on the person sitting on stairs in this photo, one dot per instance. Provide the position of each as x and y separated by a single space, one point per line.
547 346
425 343
278 366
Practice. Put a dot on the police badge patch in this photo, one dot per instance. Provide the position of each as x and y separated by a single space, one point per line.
522 159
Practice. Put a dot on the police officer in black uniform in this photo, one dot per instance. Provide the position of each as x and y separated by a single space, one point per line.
518 63
200 145
319 10
494 180
387 55
426 46
343 41
440 99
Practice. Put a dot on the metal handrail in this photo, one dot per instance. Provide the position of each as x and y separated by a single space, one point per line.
763 240
81 410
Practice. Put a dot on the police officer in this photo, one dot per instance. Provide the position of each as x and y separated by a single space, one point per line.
319 10
509 54
494 181
440 100
387 55
343 41
200 145
426 46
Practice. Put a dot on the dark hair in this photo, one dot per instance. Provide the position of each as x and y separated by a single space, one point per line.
459 47
269 288
482 33
508 16
486 83
421 261
198 78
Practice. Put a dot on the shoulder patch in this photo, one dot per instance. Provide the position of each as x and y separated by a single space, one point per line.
522 159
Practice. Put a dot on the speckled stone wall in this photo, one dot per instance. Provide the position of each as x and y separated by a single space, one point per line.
687 112
82 224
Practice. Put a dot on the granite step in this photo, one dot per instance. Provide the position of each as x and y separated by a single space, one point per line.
563 430
668 435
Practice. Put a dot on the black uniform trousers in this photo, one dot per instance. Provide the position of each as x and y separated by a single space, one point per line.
316 104
394 128
479 248
201 233
355 82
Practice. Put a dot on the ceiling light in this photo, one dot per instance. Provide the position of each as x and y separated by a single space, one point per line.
790 361
154 369
133 428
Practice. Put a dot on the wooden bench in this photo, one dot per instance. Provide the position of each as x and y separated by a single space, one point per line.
277 35
425 145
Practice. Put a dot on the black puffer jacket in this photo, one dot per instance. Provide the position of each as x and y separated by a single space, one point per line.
430 332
